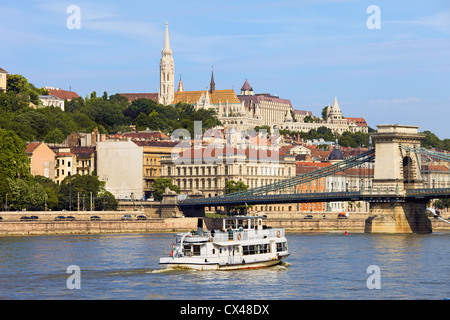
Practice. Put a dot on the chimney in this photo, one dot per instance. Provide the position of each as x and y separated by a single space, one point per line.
200 226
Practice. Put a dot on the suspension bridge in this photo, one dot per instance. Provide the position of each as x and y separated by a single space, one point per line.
398 194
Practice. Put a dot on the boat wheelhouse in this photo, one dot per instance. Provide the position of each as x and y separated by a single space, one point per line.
243 242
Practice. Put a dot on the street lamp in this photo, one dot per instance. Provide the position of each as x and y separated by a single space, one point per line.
6 202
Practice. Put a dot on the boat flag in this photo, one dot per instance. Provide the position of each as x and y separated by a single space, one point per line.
172 252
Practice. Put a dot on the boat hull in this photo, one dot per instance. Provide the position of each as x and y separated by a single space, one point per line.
177 263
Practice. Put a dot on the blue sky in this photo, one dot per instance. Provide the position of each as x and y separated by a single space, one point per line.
305 51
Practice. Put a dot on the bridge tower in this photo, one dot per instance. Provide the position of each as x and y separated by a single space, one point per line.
396 171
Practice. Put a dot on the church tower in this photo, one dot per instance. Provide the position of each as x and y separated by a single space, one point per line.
212 84
166 76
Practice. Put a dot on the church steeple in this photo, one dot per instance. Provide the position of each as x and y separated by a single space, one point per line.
166 39
166 75
180 86
212 84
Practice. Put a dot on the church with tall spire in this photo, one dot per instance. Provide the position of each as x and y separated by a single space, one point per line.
166 72
244 111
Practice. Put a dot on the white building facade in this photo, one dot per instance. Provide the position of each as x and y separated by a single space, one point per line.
119 165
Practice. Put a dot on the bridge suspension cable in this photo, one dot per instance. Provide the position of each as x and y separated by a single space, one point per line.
435 214
295 181
427 153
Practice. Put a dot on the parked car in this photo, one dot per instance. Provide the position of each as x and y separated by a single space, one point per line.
24 218
1 218
60 218
95 218
141 217
127 217
34 218
342 216
309 216
70 218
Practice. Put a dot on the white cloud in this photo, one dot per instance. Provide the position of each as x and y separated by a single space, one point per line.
395 101
439 21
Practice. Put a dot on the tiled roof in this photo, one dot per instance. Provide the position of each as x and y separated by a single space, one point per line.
161 144
217 96
303 112
63 94
258 98
82 152
358 121
32 146
246 86
3 70
134 96
145 135
249 153
64 154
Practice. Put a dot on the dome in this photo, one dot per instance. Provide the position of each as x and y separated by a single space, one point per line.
336 154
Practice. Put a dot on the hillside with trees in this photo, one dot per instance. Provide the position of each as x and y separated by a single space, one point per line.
22 112
23 119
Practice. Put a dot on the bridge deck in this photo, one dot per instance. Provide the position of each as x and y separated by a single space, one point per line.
422 194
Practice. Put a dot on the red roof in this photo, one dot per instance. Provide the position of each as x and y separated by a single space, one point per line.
318 153
249 153
361 122
152 143
63 94
3 70
134 96
145 135
32 146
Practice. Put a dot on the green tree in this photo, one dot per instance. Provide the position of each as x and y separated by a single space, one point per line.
55 136
20 85
160 185
17 83
19 196
80 187
308 119
324 113
232 186
14 163
431 140
51 190
106 201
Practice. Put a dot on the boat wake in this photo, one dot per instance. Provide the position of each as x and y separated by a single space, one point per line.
285 264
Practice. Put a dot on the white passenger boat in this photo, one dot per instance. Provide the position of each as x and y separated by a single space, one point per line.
242 243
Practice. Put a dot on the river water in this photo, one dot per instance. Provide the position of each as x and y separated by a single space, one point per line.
321 266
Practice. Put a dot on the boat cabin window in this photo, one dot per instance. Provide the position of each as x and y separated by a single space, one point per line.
256 249
243 223
193 250
281 246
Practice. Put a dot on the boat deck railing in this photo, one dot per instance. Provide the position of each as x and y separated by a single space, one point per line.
245 234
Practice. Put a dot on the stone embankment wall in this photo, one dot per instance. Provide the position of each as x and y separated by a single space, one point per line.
111 223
